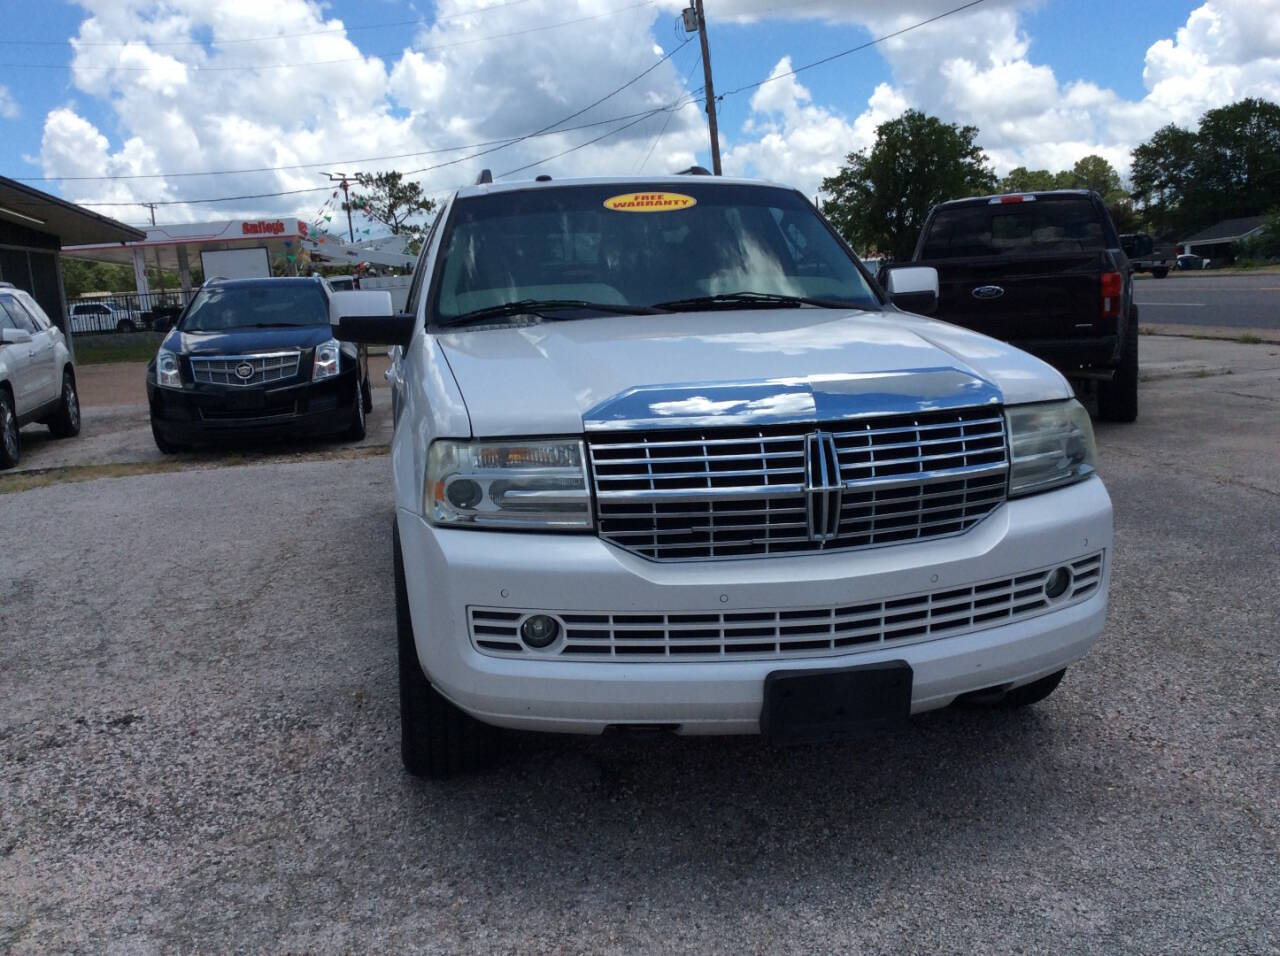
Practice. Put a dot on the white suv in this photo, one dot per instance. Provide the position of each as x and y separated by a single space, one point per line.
666 459
37 375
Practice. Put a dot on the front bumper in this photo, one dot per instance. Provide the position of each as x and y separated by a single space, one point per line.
206 413
447 571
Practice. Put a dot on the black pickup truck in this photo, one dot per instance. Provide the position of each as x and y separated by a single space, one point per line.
1046 272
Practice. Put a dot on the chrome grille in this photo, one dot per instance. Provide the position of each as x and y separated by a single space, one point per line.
801 632
264 369
735 492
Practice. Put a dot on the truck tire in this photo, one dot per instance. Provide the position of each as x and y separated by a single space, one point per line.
10 444
1160 272
1118 398
436 738
1032 693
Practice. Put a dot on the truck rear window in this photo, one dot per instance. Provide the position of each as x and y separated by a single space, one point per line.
1045 225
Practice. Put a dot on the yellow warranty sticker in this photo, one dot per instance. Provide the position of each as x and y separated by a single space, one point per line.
650 202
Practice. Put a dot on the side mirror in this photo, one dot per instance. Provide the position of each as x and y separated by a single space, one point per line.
14 336
368 317
914 288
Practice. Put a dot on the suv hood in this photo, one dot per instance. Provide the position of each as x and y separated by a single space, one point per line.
246 341
751 366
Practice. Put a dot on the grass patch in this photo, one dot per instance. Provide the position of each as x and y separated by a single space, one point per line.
15 482
124 347
1249 339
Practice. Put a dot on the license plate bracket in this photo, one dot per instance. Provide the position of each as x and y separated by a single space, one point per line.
810 706
245 401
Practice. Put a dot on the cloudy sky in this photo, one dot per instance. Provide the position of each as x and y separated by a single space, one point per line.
251 97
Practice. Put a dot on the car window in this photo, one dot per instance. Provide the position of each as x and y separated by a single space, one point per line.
1045 225
271 303
22 319
589 243
34 310
5 321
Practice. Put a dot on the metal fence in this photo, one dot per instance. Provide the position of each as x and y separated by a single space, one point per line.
124 312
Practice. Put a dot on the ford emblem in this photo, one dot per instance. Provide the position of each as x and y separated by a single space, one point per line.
244 371
988 292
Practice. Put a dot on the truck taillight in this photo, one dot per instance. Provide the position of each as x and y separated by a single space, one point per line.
1112 295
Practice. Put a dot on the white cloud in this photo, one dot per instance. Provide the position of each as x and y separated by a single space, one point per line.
8 105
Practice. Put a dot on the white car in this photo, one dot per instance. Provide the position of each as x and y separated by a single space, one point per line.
664 459
37 374
89 317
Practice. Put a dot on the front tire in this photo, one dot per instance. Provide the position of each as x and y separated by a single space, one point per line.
10 445
1118 398
166 447
1160 273
358 428
66 421
126 325
1032 693
436 738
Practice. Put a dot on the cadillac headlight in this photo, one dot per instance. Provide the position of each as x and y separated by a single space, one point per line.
1052 445
328 360
540 485
168 371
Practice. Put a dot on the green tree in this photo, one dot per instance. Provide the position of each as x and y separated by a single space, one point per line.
880 197
1094 172
388 199
80 276
1162 170
1023 180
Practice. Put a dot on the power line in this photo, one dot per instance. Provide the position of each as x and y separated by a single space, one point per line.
853 49
340 31
662 132
350 59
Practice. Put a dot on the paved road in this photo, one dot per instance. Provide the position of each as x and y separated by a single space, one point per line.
1228 301
198 746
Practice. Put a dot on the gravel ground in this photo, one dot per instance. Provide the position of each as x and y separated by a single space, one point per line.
198 748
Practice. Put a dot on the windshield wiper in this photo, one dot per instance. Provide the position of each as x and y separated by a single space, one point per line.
540 308
748 299
272 325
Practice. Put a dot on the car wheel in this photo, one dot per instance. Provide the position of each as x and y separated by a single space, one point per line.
436 738
166 447
10 448
66 421
125 325
356 430
366 392
1160 273
1118 398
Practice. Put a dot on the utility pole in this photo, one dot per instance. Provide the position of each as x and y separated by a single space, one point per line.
152 207
694 19
343 182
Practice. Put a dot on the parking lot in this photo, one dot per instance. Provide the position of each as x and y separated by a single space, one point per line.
199 750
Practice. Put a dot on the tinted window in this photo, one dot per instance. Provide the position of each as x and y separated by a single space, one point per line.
5 321
220 307
22 319
566 243
34 310
1046 225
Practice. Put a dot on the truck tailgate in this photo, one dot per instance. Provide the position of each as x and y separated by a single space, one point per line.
1049 296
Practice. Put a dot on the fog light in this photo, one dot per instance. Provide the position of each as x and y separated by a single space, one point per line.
1056 584
463 493
539 630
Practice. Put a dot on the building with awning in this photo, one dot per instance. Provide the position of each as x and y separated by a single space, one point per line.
176 248
35 229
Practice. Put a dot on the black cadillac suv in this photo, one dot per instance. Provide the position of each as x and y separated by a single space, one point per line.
256 358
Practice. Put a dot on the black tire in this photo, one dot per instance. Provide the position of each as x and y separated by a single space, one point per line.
356 430
166 447
436 738
66 421
1118 398
126 325
10 444
1032 693
366 392
1160 273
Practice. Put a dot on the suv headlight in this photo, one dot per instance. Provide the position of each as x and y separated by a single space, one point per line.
1052 445
168 369
327 360
538 485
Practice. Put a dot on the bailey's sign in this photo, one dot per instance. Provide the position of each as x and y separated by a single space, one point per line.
262 228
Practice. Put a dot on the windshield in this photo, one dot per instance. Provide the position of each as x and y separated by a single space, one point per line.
268 304
633 247
1066 224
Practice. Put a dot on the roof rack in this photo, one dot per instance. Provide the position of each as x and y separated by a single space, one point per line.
486 176
695 171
